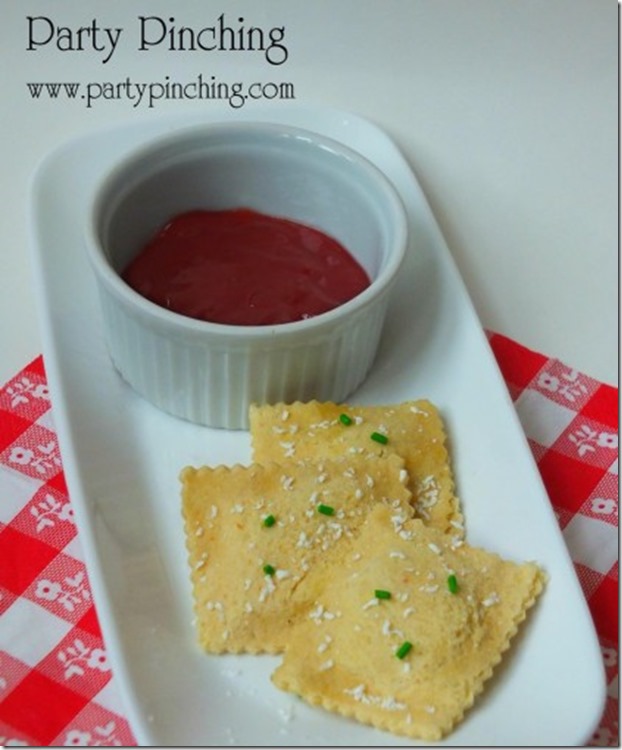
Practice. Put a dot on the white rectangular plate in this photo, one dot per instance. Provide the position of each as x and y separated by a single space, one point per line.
122 459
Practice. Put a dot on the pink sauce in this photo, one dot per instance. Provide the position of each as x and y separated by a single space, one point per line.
241 267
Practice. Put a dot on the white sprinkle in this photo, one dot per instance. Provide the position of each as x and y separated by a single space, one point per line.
371 603
285 415
248 607
328 664
358 493
435 548
493 598
417 410
319 613
358 693
403 476
390 704
388 629
431 709
268 588
287 482
429 588
369 481
322 478
200 531
398 520
288 449
408 611
316 614
237 508
398 555
282 574
213 511
358 420
427 494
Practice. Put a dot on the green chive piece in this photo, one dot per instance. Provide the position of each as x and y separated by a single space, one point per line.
403 649
327 510
452 584
345 419
379 438
269 570
269 521
382 594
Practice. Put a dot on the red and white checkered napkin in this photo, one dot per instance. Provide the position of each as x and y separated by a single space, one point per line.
56 687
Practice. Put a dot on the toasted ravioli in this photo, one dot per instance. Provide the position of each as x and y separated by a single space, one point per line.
413 430
403 626
254 532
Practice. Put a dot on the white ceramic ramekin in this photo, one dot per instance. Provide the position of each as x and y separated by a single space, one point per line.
210 373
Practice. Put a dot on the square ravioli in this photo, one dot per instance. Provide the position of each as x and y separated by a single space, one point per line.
254 532
404 626
413 430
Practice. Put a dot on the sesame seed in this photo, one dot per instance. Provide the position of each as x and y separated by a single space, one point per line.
371 603
493 598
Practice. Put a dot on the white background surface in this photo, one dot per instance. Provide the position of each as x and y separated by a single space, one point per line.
506 110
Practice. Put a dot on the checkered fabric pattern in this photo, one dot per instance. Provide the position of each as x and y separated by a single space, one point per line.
56 686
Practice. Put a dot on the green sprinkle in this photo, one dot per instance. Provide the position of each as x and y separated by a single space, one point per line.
379 437
382 594
452 584
345 419
269 570
403 649
327 510
269 521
